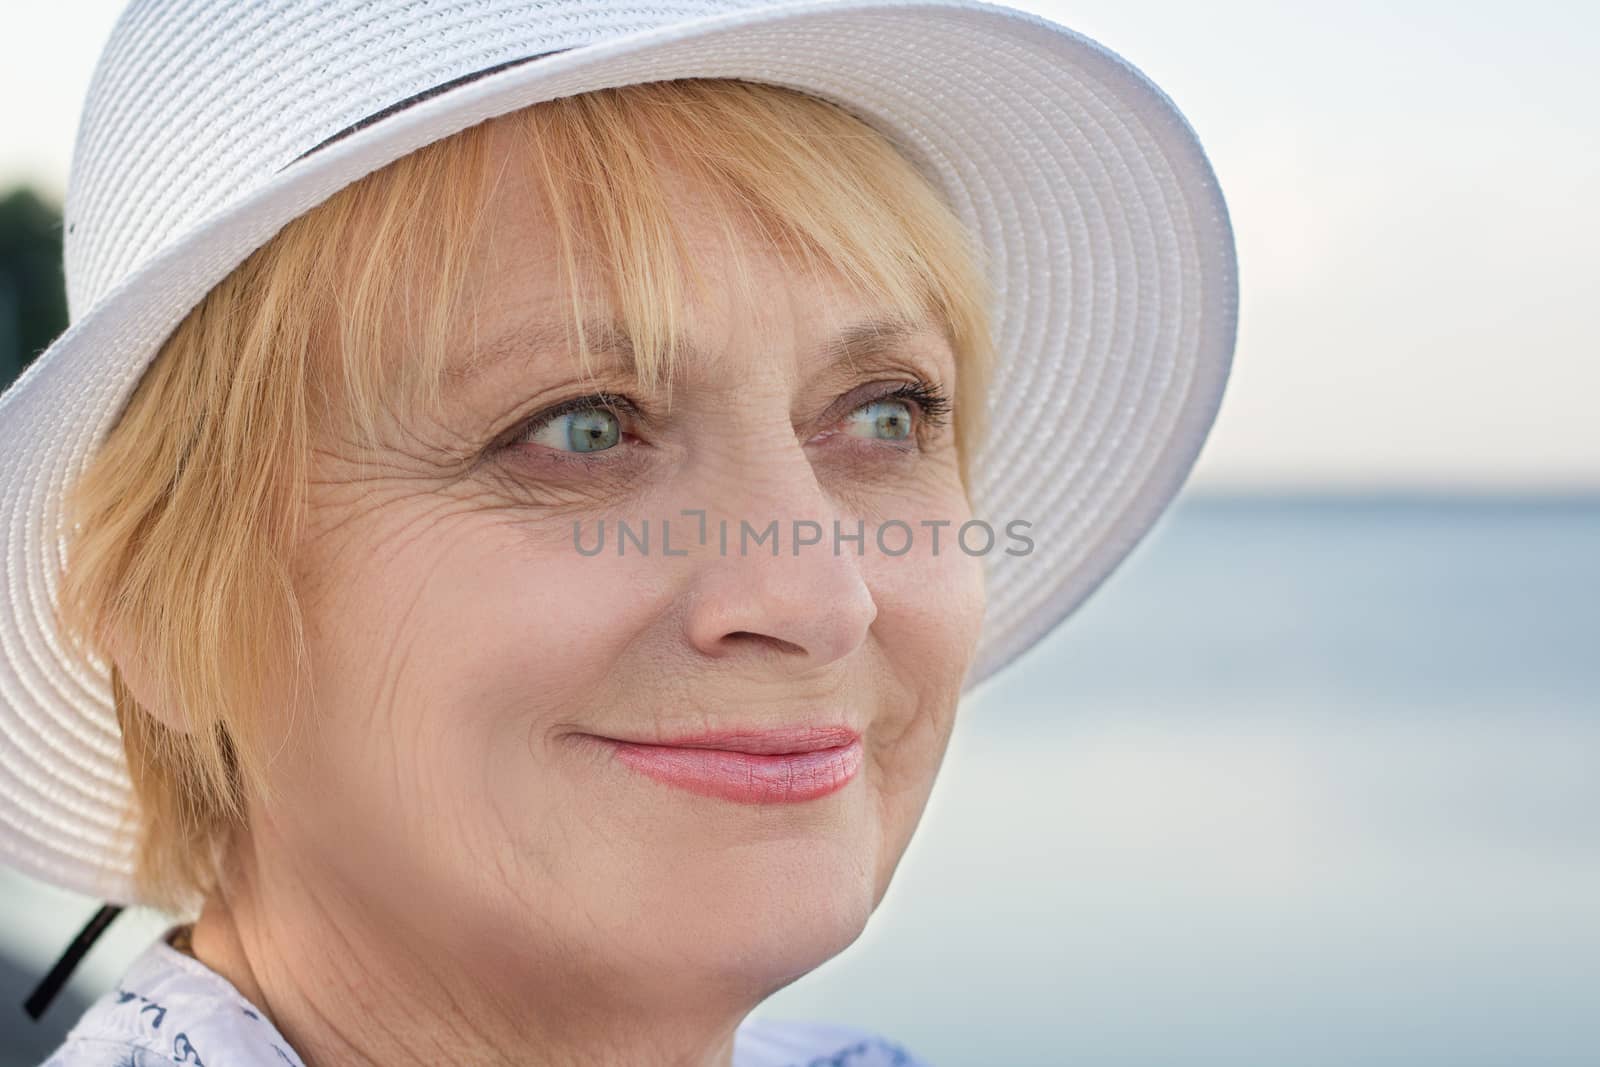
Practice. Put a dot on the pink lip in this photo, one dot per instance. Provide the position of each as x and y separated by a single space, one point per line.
749 767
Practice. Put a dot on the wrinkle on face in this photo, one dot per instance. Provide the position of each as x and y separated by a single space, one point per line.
462 649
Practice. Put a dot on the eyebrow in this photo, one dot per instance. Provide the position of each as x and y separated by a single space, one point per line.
609 340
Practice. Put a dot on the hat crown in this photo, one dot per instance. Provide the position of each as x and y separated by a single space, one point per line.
194 104
1093 209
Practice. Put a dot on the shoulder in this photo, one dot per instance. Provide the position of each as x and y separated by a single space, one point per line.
761 1042
169 1008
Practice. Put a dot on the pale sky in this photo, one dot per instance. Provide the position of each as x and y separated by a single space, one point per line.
1415 190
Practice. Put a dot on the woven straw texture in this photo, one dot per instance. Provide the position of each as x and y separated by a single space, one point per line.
1106 235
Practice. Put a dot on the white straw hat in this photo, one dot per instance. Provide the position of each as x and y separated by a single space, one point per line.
210 124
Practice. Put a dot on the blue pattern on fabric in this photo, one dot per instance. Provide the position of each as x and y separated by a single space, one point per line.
170 1010
850 1055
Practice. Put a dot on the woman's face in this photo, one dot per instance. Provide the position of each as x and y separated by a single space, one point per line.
449 772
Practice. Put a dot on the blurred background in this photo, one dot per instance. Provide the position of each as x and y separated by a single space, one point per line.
1313 778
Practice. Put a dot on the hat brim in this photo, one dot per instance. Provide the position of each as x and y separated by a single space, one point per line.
1112 261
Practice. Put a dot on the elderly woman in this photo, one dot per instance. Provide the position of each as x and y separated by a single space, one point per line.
535 482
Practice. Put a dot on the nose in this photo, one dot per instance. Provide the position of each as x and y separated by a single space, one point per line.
802 608
803 611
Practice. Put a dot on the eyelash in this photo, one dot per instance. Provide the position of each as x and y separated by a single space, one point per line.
932 403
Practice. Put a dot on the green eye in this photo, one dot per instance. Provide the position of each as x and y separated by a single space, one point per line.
885 420
583 429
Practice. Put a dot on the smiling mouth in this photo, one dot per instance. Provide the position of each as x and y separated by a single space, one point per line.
782 766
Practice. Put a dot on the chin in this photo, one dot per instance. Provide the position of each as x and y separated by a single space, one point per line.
769 913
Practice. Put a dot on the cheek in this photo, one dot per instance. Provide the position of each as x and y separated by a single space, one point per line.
453 645
930 616
447 652
928 583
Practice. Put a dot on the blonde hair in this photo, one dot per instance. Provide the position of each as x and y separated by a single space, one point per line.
187 517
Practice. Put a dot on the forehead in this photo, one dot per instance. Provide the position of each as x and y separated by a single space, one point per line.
525 307
531 275
854 341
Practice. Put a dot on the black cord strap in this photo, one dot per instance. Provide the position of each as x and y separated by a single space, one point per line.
47 989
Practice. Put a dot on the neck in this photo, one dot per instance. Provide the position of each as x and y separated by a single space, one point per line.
345 987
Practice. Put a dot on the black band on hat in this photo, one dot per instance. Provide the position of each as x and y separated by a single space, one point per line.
47 989
419 97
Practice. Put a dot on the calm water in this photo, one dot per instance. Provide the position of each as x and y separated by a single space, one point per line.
1307 782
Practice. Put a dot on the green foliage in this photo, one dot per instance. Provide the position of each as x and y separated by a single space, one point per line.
33 296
